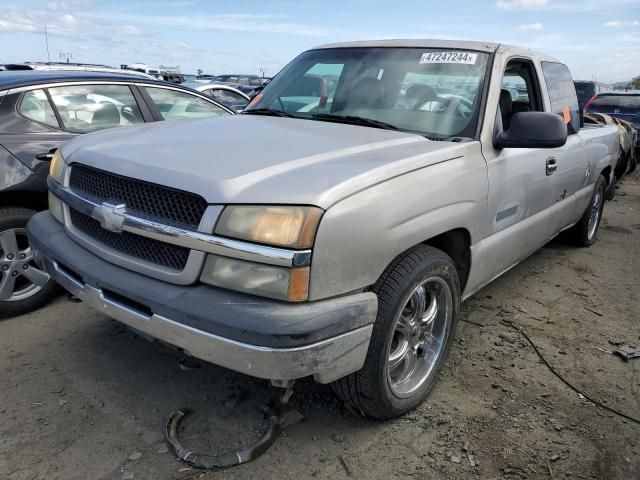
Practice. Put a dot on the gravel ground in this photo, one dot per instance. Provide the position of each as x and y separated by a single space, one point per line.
83 398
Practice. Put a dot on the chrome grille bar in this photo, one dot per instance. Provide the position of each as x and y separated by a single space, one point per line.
178 235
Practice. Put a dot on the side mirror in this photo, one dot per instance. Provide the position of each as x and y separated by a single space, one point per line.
533 130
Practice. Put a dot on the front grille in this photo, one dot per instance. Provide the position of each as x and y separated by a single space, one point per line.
154 251
144 197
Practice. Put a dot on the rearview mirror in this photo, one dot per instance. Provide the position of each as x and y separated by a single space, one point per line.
533 130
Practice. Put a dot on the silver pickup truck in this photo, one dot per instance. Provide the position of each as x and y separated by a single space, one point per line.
333 229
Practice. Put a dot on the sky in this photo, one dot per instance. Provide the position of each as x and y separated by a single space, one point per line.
596 39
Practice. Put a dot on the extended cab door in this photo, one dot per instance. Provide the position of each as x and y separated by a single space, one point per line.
572 171
520 179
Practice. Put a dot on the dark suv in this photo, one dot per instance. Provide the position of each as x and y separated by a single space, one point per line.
38 112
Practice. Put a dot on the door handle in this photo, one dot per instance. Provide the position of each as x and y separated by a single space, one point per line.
46 156
552 166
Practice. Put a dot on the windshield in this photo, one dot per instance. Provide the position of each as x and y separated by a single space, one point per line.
432 92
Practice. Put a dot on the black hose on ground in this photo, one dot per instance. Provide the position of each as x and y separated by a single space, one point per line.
279 417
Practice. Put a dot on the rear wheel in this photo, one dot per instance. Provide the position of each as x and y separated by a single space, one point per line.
418 306
24 285
584 233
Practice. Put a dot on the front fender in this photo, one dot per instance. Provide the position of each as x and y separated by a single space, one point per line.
361 235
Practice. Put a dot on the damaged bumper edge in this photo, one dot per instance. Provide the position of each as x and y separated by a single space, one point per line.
326 360
263 338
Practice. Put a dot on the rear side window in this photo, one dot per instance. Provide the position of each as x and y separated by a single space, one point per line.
35 106
175 105
562 93
88 108
623 103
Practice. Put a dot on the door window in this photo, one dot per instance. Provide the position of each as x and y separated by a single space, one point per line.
35 106
562 93
175 105
88 108
520 91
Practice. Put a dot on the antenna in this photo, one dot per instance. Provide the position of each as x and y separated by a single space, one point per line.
46 39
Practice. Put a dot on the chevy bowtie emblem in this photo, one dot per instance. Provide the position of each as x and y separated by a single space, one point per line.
110 215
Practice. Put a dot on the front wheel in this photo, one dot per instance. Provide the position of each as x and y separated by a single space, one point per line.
585 232
24 286
418 306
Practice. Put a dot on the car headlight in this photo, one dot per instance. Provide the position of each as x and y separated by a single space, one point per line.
57 167
283 226
289 284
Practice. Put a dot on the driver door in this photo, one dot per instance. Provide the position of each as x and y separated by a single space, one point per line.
520 180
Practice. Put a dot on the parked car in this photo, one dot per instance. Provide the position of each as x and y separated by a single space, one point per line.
224 94
625 106
341 239
245 83
628 135
39 111
587 89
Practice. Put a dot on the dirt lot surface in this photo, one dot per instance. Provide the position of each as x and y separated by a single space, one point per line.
83 398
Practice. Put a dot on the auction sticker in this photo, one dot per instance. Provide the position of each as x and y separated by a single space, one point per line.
465 58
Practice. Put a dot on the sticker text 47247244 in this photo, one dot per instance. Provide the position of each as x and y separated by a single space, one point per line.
465 58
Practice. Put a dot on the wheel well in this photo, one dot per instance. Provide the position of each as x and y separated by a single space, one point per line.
606 173
24 198
457 244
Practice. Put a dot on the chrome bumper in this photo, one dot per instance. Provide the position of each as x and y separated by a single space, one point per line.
326 361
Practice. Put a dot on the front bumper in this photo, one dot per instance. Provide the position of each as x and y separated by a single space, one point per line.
260 337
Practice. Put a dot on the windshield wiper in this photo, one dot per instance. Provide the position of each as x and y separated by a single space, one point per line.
269 111
353 120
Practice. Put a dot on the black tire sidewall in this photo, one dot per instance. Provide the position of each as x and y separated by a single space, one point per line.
600 186
440 266
17 217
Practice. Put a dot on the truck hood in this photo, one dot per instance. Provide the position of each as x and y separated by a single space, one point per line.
259 159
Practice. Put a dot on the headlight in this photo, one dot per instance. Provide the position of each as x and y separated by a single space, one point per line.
284 226
57 166
55 207
289 284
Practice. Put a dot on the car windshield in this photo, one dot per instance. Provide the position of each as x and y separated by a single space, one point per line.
433 92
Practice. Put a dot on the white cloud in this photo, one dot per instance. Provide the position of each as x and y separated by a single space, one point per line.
223 22
129 30
621 24
520 4
530 27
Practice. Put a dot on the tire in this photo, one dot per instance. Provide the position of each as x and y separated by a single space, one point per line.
611 189
379 389
18 292
585 233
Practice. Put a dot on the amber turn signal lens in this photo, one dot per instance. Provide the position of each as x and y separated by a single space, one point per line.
299 285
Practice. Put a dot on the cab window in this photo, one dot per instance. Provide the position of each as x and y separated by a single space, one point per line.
562 93
88 108
175 105
520 91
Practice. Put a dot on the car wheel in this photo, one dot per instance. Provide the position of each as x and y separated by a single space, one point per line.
585 232
610 190
418 307
24 285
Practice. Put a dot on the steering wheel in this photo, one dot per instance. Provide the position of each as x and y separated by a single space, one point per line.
451 104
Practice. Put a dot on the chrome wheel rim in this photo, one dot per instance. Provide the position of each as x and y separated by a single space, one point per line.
594 218
419 336
20 276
